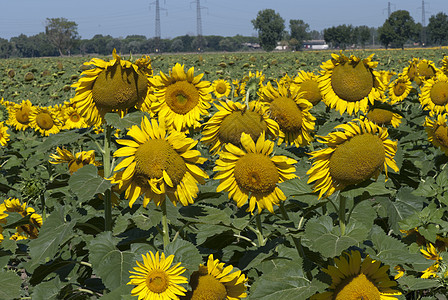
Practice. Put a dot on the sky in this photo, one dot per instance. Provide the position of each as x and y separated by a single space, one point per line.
120 18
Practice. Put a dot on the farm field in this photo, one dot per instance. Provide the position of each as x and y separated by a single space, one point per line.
284 175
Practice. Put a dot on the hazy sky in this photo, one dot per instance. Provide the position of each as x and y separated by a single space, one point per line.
120 18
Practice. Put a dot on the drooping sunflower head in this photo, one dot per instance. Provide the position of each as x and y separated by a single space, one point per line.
181 98
26 231
156 278
437 131
399 89
434 94
114 86
384 117
355 278
356 153
386 76
4 135
19 114
158 163
307 83
214 281
252 173
287 107
45 120
234 118
221 88
350 83
74 161
412 72
426 69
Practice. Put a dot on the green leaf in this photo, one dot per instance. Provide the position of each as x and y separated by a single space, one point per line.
54 232
62 138
86 183
134 118
323 237
108 262
10 284
364 213
48 290
412 284
372 188
185 253
122 292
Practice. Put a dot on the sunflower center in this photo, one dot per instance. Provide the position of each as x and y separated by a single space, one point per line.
157 281
351 82
74 117
182 96
441 135
237 122
23 115
380 116
359 287
256 173
207 287
287 114
44 120
399 88
119 88
357 159
312 91
155 156
221 87
425 69
439 93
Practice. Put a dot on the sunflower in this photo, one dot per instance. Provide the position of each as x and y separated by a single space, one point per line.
45 120
114 86
4 136
75 162
291 112
381 116
234 118
158 163
350 83
253 173
412 72
354 278
214 281
437 131
30 230
253 80
157 279
386 76
19 115
307 83
72 119
221 88
434 94
182 98
6 104
426 69
400 88
444 67
359 152
432 254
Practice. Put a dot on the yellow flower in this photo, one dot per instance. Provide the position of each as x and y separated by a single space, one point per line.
114 86
234 118
350 83
434 94
71 118
253 173
308 84
75 162
31 230
19 115
182 98
399 89
354 278
437 131
157 279
432 254
384 117
158 163
359 152
221 88
45 120
400 272
420 70
386 76
4 136
214 281
287 107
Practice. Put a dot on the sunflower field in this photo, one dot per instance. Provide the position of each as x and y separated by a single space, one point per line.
304 175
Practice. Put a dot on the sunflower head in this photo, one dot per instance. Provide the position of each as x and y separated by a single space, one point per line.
400 88
27 231
45 120
434 94
4 136
437 131
19 114
221 88
357 153
76 161
384 117
350 83
308 84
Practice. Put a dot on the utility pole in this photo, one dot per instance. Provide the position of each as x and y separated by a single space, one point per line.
388 9
199 25
158 34
423 33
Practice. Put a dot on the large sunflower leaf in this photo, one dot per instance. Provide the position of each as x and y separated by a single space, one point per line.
10 283
86 183
134 118
412 284
185 253
108 262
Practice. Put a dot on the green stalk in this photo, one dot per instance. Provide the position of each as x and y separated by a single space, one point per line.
259 231
165 232
107 173
42 201
342 220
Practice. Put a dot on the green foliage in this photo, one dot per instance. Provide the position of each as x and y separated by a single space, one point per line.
437 29
270 26
397 29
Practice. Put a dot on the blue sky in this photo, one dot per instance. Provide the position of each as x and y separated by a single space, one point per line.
120 18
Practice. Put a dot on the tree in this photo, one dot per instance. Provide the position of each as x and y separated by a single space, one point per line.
270 26
340 36
62 33
362 35
437 29
397 29
299 31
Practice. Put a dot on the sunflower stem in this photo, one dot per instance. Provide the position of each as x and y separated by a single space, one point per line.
342 214
107 173
165 235
259 231
42 201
